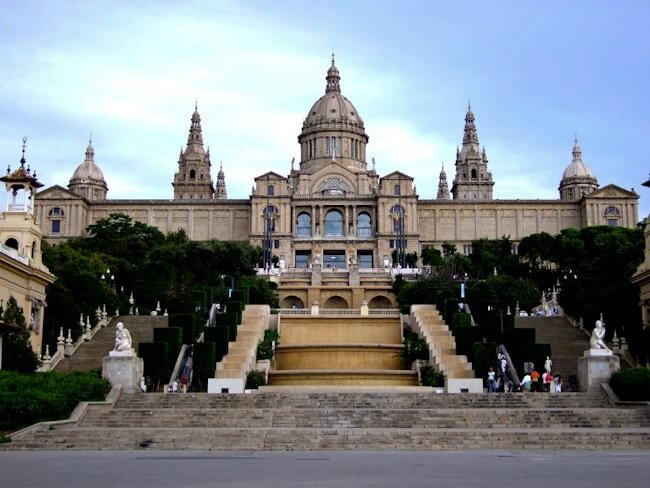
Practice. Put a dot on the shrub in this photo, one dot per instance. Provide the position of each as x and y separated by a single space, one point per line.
265 348
415 347
29 398
255 379
632 384
431 377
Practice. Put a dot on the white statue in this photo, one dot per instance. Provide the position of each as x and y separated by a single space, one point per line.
598 336
123 341
548 364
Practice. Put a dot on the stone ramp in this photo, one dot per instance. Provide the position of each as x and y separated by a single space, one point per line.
568 343
89 355
337 420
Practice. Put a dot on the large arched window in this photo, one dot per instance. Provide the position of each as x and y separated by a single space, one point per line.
303 225
612 215
192 174
364 225
56 214
397 213
270 190
270 215
334 223
473 174
396 190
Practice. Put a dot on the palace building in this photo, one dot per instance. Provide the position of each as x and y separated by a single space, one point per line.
333 207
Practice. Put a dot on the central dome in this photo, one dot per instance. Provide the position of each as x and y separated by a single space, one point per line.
333 107
333 129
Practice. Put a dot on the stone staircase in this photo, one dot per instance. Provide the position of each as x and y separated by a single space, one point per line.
441 342
89 355
568 343
231 371
327 419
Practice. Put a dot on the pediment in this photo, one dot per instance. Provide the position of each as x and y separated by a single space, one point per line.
612 191
397 175
270 176
57 192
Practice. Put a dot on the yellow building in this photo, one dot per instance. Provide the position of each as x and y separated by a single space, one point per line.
22 272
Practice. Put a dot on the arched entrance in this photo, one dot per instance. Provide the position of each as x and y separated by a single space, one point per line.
336 302
380 302
292 302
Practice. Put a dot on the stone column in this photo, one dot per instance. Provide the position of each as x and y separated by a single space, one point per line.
354 279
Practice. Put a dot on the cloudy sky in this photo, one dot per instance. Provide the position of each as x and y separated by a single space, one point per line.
129 72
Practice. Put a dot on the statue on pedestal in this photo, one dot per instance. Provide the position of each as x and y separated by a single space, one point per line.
123 340
548 364
598 336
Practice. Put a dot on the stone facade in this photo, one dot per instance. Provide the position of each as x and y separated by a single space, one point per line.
335 207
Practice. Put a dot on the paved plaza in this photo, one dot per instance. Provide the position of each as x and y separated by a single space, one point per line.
476 469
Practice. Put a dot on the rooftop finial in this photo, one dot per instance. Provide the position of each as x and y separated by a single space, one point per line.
22 159
469 106
575 138
90 138
332 57
196 104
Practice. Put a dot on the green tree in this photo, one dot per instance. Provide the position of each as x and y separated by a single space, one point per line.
448 249
17 353
431 257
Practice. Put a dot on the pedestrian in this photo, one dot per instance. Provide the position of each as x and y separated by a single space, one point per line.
504 365
184 384
534 377
491 377
526 382
174 386
558 383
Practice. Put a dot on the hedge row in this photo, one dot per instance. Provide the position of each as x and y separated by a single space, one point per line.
29 398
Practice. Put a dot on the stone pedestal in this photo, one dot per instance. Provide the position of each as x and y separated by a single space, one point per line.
596 367
123 368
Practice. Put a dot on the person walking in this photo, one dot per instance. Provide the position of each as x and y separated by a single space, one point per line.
491 377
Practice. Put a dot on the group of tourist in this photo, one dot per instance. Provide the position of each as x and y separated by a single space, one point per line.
532 381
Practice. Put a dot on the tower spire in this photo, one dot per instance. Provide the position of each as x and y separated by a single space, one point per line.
220 192
333 79
443 187
473 181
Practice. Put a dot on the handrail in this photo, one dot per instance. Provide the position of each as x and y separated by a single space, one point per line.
511 371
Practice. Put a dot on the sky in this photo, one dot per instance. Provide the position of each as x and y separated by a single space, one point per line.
536 73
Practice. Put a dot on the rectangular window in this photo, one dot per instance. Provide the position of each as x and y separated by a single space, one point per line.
467 249
276 243
392 244
365 259
327 147
302 259
56 226
612 222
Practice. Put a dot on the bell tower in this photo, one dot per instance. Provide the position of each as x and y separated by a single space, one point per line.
193 180
473 181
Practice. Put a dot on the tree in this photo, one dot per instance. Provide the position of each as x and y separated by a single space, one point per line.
431 256
17 353
448 249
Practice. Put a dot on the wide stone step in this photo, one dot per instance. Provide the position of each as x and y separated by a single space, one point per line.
369 418
321 397
332 439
